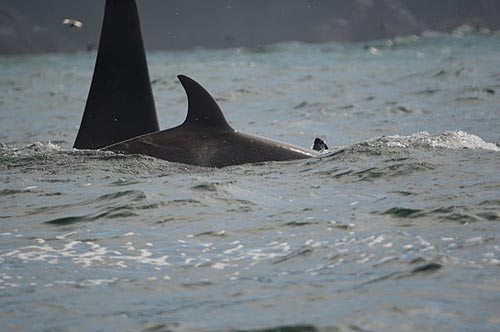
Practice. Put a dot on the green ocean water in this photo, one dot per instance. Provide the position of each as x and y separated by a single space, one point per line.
397 229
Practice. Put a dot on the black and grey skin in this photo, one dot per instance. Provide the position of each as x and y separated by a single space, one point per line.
120 115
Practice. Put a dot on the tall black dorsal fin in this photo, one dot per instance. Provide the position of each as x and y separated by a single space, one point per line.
120 104
203 110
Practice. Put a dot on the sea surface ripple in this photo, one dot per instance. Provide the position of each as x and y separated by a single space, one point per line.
397 228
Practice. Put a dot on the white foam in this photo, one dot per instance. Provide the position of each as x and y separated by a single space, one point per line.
219 266
448 140
82 253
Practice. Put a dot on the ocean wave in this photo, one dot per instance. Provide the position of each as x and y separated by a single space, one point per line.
454 140
483 211
412 40
429 36
50 159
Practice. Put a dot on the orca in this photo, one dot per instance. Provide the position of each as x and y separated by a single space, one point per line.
120 103
206 139
120 114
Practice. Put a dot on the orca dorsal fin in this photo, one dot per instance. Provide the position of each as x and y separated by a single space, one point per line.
203 110
120 103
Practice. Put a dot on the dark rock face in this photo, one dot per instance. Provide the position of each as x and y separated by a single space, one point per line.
31 26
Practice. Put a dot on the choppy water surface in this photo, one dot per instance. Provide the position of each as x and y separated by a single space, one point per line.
397 230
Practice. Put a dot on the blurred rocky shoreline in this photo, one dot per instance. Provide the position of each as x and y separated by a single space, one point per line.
34 26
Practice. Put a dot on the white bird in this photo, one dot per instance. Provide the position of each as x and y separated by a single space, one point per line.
72 23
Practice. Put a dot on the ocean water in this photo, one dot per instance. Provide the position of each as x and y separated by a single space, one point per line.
396 229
